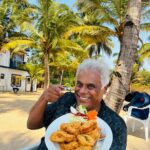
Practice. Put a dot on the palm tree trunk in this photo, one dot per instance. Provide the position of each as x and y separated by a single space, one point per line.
46 67
61 77
121 80
31 88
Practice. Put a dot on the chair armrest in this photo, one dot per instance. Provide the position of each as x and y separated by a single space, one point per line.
140 108
132 107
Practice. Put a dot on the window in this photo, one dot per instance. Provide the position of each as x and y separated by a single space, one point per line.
2 76
15 80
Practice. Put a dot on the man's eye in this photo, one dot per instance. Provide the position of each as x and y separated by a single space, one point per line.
91 86
79 84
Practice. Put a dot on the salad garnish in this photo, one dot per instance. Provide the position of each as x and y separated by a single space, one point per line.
81 111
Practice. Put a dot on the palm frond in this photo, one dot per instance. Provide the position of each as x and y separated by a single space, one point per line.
13 44
69 45
91 31
145 50
145 26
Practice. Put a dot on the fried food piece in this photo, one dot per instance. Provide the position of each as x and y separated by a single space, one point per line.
61 136
95 134
69 146
88 126
72 128
84 148
86 140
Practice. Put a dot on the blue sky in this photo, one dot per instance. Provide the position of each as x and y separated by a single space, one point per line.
116 48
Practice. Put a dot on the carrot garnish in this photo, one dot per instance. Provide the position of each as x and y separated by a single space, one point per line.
92 115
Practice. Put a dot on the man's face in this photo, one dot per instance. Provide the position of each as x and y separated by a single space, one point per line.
88 89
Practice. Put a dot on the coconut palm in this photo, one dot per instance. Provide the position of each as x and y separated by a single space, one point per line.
46 32
121 79
67 62
91 38
113 13
53 20
35 71
106 12
12 14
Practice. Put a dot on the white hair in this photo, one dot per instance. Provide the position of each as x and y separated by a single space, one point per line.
98 65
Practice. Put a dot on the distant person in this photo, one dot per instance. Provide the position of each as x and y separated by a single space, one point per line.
15 89
92 78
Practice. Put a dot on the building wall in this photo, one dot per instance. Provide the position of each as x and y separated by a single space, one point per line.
5 84
5 59
9 67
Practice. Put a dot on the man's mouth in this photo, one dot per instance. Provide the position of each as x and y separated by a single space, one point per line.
83 98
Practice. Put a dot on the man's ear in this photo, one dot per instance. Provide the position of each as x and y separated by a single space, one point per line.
106 88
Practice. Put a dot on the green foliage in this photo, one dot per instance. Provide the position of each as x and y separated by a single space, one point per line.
68 77
12 15
140 88
143 78
145 50
35 71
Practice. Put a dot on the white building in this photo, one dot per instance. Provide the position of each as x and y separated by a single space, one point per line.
12 73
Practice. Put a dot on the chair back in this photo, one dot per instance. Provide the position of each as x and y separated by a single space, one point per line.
139 100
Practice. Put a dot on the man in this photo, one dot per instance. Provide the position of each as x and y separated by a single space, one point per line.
92 78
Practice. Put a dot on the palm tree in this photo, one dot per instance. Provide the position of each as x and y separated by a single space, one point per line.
89 36
35 71
45 33
120 82
52 21
109 13
67 62
11 17
105 11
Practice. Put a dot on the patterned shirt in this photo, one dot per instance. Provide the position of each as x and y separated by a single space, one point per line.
115 122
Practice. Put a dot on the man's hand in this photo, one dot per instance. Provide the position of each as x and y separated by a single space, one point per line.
53 93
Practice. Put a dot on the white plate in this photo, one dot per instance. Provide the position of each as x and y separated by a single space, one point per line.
55 125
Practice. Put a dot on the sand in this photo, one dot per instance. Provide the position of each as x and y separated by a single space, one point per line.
14 110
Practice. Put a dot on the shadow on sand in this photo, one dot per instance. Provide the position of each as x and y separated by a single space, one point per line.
23 105
18 140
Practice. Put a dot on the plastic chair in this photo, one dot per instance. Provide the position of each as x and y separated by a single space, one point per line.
145 121
138 109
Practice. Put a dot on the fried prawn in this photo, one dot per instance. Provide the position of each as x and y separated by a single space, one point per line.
95 134
84 148
86 140
88 126
61 136
72 128
69 146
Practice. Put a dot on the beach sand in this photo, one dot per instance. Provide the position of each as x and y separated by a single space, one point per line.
14 110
